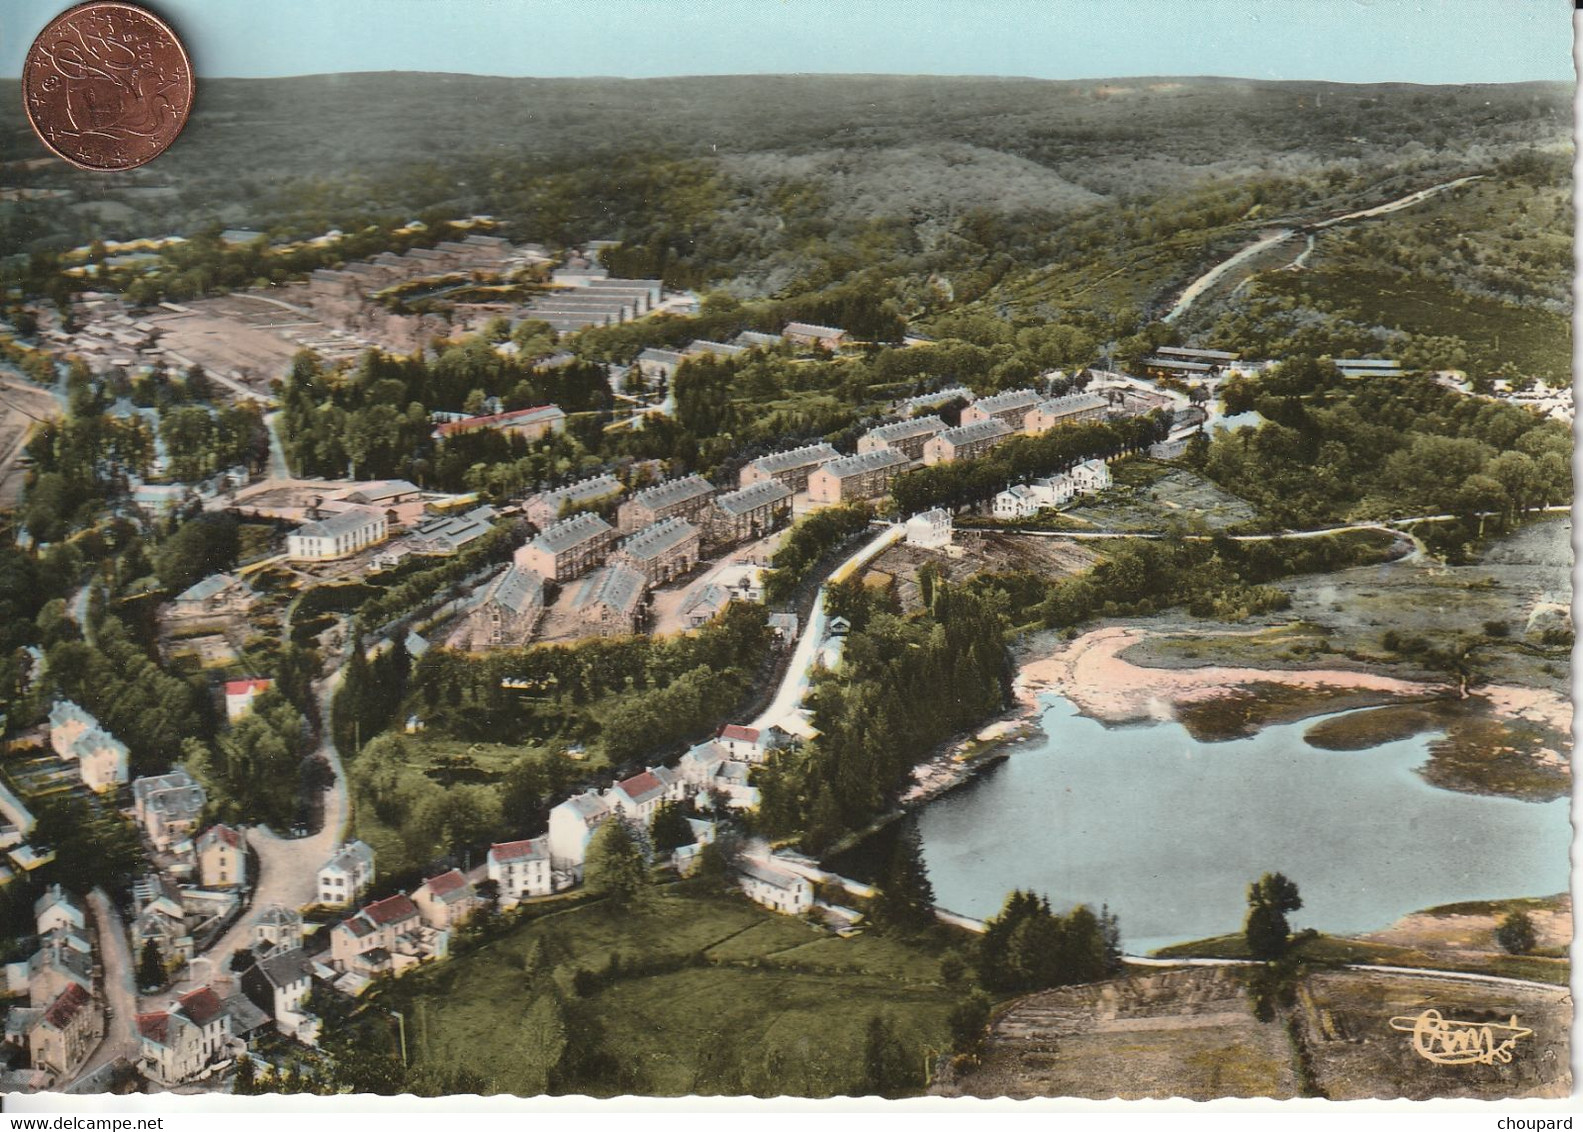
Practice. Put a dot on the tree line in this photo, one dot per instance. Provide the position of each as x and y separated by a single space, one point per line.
905 685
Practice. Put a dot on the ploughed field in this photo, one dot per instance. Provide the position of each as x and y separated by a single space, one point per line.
1193 1033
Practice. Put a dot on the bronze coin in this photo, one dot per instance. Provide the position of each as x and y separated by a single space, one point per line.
107 86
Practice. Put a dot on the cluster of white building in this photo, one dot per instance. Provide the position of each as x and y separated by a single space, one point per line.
76 737
1023 500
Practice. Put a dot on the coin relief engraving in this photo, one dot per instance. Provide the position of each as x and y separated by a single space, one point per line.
107 86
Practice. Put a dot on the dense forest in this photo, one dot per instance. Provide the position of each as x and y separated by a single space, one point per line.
1338 449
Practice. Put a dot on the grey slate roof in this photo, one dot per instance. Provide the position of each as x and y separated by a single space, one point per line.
209 587
978 430
1072 403
286 967
721 349
761 494
616 586
903 430
574 530
657 538
865 462
518 589
350 856
175 793
343 522
813 329
594 487
588 806
758 338
768 874
674 491
1008 401
1190 352
796 458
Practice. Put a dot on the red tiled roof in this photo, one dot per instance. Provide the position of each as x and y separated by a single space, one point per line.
224 833
201 1006
739 733
245 687
494 420
516 850
640 787
358 925
154 1027
391 909
446 882
65 1007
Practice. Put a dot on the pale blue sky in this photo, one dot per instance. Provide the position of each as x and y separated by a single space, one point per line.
1422 41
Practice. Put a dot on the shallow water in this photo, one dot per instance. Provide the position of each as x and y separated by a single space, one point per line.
1169 831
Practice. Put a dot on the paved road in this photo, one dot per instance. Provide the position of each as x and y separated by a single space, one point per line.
1204 282
288 868
120 1038
278 468
794 685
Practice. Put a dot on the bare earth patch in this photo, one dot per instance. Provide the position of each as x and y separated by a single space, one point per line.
1470 928
1500 740
1091 672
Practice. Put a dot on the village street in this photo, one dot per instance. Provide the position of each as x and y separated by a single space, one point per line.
120 1037
288 867
799 673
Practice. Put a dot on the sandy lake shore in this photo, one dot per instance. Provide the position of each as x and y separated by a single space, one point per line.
1091 672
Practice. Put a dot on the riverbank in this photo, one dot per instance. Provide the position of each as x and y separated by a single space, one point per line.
1222 701
1499 740
1091 672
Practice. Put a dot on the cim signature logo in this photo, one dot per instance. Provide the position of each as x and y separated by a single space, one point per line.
1445 1041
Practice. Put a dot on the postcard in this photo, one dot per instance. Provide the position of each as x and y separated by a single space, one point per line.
1021 551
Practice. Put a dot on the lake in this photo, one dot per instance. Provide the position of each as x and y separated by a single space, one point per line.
1169 831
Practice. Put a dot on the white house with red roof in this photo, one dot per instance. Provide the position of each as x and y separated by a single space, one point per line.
741 742
521 868
638 798
447 900
239 697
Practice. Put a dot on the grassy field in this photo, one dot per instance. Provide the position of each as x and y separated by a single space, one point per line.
713 995
1152 497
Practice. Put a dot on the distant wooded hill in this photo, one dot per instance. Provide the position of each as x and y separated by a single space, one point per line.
1111 137
946 187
